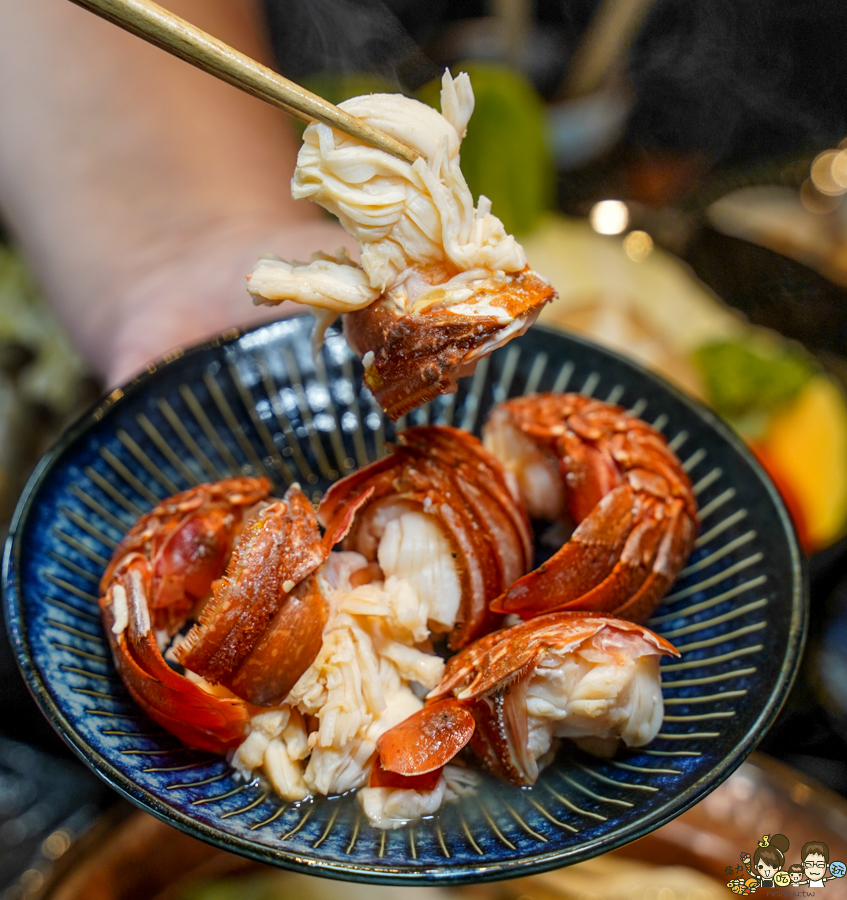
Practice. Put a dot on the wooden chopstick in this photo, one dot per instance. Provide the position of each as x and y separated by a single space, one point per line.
151 22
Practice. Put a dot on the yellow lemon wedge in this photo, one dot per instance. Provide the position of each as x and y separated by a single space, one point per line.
807 441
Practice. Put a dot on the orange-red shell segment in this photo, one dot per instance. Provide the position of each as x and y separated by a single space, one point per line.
267 607
232 641
450 476
421 354
627 493
480 702
187 539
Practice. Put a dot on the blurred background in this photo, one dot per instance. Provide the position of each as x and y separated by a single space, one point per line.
677 168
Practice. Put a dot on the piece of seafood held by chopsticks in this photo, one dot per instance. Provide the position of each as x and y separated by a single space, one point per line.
510 696
440 283
617 480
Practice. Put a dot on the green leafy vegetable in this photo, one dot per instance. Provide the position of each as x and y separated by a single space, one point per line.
746 377
505 154
54 376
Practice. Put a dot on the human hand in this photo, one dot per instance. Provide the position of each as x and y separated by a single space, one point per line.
140 189
197 290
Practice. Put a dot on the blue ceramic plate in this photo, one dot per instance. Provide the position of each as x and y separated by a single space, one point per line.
255 403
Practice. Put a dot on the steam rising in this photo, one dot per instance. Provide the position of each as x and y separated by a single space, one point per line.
346 36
